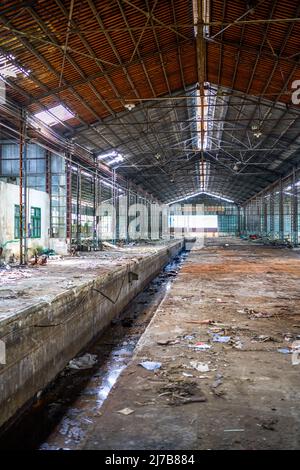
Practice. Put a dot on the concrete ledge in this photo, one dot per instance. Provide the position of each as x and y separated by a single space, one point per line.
41 340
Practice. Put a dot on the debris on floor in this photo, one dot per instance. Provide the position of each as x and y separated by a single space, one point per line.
87 361
240 377
218 380
199 366
284 350
263 338
126 411
252 314
221 339
200 346
201 322
181 393
149 365
269 424
168 342
10 274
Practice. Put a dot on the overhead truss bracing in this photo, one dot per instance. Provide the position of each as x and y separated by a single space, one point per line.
131 73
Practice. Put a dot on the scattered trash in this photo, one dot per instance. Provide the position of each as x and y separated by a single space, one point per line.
216 329
71 429
200 346
221 339
238 344
218 381
269 424
181 393
126 411
189 337
296 353
262 315
289 337
254 314
87 361
149 365
218 393
201 322
8 274
46 446
108 247
168 342
200 366
262 338
284 350
38 259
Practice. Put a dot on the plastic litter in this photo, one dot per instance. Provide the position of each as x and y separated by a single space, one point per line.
149 365
221 339
87 361
254 314
262 338
200 346
200 366
262 315
296 353
284 350
189 337
218 381
186 374
126 411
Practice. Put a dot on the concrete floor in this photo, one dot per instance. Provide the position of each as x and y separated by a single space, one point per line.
249 398
23 287
48 314
63 415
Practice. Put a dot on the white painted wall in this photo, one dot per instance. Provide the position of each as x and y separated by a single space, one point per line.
59 245
9 197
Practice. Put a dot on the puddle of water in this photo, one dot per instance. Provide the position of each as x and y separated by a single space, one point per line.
67 409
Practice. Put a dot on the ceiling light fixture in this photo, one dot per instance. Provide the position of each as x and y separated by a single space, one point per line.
256 130
129 106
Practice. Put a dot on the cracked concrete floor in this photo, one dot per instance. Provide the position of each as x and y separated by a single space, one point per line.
249 397
22 287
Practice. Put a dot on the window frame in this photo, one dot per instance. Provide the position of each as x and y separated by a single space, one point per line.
35 222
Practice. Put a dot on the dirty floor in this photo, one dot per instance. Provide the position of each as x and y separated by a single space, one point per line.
21 287
63 414
224 336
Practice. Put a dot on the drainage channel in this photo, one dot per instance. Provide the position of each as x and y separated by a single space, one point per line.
63 413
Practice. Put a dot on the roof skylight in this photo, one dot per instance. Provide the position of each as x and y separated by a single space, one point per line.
8 68
199 194
54 115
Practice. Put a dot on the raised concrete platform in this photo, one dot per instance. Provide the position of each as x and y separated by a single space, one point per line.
249 398
48 314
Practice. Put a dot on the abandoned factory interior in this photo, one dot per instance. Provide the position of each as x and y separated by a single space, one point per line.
149 225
